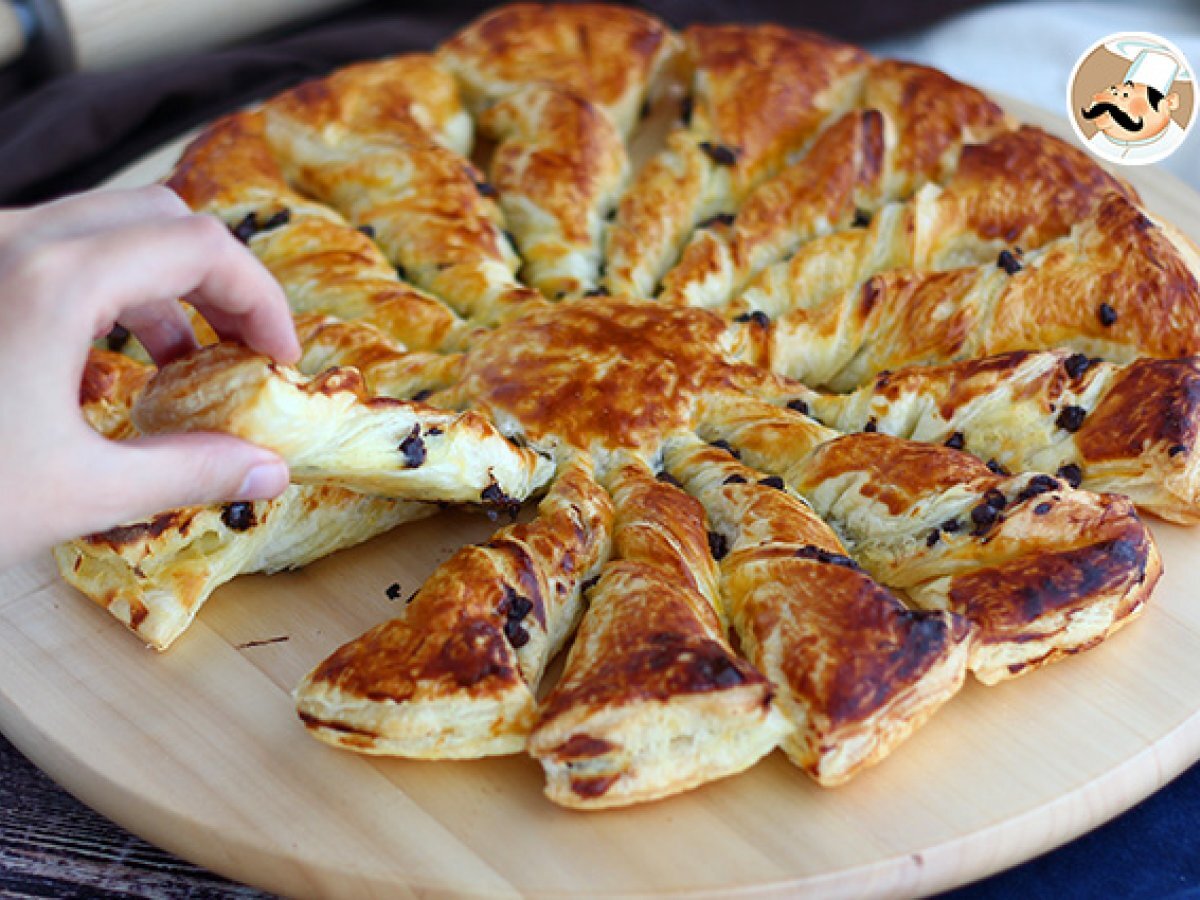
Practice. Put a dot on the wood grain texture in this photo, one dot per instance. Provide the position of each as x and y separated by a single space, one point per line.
199 749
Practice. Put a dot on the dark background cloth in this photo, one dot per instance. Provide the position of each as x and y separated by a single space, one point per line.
73 132
70 133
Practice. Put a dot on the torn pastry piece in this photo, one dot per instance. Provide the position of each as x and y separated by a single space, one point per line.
1118 286
154 575
389 369
558 167
982 215
653 700
611 56
910 132
1041 570
330 431
1129 429
348 142
798 80
323 263
455 676
856 671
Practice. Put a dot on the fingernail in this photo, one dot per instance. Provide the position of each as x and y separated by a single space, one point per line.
264 481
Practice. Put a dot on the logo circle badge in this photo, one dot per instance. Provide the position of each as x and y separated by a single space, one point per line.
1132 98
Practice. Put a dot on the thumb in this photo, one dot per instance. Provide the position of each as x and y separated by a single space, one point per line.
138 478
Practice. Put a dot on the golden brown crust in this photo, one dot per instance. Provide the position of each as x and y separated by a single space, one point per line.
653 700
921 518
559 166
856 671
111 382
607 55
455 677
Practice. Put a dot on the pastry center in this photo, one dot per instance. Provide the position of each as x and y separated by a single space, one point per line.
599 372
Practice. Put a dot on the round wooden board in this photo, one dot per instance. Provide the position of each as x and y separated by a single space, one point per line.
199 749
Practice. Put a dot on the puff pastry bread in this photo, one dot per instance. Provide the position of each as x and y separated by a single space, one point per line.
659 350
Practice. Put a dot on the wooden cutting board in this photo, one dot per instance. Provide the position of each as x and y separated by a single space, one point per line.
199 750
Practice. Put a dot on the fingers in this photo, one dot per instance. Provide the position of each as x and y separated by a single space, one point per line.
163 328
135 269
139 478
89 212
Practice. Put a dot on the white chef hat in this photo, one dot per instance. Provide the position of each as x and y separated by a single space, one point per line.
1152 65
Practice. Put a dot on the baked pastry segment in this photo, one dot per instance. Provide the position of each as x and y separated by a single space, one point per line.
110 384
607 55
384 170
1039 569
1130 429
798 80
331 432
455 676
559 166
653 700
856 671
323 263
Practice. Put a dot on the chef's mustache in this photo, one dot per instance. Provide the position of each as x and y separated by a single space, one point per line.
1119 115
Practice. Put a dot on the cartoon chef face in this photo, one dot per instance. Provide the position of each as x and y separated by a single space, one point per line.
1131 111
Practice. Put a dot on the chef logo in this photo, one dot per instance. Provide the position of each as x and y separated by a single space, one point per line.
1132 98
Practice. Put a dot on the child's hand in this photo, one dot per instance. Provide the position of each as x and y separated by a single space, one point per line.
68 272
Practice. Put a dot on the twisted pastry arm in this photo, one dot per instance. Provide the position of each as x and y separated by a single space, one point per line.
856 672
455 676
1039 569
559 166
653 700
331 432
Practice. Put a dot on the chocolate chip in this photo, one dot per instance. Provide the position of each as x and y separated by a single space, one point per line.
238 516
984 517
871 427
1078 363
950 526
734 479
956 441
718 219
401 272
727 447
933 537
601 291
278 220
667 478
245 229
995 499
368 230
686 108
718 546
719 153
495 496
1071 474
996 469
516 633
393 591
1107 315
1008 262
433 432
862 218
422 395
1071 418
1039 484
772 481
486 189
514 606
798 406
117 338
838 559
413 448
1042 508
758 317
1176 449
